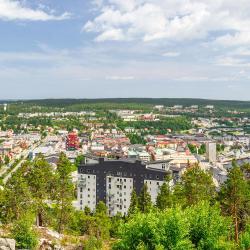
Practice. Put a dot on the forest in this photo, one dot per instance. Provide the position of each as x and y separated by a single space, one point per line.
191 215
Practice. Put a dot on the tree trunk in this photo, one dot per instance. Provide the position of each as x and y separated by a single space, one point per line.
236 224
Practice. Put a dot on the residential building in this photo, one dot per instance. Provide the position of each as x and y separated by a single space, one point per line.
112 181
211 151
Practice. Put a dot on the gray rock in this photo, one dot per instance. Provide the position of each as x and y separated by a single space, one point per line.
7 244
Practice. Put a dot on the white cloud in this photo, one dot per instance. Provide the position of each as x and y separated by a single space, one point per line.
240 38
227 21
120 78
14 10
232 62
171 54
112 34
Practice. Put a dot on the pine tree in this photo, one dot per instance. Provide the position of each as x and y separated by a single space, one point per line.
16 198
144 200
64 194
133 208
103 223
164 197
41 180
196 185
234 196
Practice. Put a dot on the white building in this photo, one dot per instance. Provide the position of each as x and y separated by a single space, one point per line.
211 151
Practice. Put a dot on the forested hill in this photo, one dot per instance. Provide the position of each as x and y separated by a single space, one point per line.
152 101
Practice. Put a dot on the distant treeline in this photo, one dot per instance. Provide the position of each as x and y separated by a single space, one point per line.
151 101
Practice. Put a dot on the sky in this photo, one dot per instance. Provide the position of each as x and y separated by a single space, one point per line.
125 48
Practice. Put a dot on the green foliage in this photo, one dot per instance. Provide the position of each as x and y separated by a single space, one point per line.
220 147
245 239
144 200
103 223
154 230
92 244
200 226
24 234
136 139
64 192
116 222
158 127
164 198
133 208
41 181
196 185
16 198
192 148
79 159
234 197
202 149
208 228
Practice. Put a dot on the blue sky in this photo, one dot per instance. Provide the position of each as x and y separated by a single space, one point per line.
124 48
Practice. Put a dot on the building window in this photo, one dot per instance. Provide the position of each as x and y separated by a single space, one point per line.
109 179
109 186
157 183
88 177
125 180
80 189
88 189
157 177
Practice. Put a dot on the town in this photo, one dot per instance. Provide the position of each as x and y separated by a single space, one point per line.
117 151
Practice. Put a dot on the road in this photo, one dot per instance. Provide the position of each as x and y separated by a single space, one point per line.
24 155
6 178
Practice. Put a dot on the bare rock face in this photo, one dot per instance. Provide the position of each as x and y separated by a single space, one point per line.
7 244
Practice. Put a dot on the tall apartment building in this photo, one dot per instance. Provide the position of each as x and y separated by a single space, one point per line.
211 151
112 181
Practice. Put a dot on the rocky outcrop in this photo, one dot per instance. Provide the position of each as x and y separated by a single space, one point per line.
7 244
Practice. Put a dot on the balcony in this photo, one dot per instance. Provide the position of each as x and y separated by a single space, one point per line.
82 183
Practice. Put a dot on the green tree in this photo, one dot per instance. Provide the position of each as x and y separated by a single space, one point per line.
245 239
192 148
64 192
116 222
92 243
202 149
41 181
166 230
24 234
6 159
144 200
79 159
102 220
235 197
209 230
133 208
196 185
164 197
16 198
